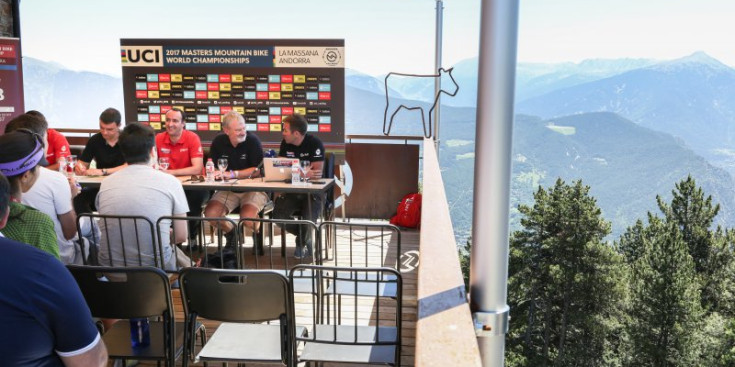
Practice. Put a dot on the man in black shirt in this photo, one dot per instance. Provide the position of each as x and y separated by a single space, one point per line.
103 148
244 153
297 143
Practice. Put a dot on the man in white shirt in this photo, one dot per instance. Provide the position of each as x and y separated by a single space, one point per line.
52 194
140 190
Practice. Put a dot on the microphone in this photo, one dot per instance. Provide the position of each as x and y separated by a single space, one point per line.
258 168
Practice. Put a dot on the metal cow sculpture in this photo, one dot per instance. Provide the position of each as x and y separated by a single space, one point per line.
389 123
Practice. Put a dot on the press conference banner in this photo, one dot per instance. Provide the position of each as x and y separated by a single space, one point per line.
264 80
11 81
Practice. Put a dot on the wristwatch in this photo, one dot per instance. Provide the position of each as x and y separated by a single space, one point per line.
104 172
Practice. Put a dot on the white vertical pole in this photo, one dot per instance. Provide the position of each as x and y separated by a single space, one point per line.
494 131
437 65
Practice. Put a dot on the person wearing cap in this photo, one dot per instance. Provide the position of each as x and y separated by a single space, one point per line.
21 152
52 194
140 190
183 149
297 143
46 321
56 144
103 149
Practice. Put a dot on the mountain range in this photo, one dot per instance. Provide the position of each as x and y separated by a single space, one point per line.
629 128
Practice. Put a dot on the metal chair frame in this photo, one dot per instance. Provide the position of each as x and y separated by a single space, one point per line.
332 339
245 297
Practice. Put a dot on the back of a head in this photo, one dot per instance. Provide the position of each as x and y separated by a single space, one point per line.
20 151
136 142
28 121
111 115
297 123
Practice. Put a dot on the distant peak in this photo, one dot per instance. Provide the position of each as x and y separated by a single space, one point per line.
698 58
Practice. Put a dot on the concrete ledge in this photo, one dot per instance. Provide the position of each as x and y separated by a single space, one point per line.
445 335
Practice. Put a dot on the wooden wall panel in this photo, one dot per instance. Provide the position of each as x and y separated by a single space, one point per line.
382 175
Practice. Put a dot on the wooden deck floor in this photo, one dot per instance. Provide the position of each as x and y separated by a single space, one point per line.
366 310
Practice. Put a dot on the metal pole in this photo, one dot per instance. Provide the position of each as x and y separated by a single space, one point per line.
494 131
16 18
437 65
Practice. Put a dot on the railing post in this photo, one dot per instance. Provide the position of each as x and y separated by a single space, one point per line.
489 259
437 65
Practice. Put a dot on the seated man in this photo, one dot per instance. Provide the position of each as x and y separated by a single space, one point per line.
244 153
52 194
46 321
298 144
140 190
184 152
21 152
103 148
57 146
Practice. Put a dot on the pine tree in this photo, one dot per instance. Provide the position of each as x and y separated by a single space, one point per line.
665 308
564 282
709 248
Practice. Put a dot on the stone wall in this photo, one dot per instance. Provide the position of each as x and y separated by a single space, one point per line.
6 18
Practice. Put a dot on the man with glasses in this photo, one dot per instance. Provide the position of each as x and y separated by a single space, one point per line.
183 149
103 148
244 154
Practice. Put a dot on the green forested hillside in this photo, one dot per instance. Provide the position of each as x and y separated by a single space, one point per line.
625 165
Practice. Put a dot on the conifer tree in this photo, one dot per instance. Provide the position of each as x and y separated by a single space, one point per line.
564 283
710 248
665 308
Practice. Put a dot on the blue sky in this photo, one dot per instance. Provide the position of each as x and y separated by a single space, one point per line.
382 35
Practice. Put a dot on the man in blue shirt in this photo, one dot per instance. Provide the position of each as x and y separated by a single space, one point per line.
45 319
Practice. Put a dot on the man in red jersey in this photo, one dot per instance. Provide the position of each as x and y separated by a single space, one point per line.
183 149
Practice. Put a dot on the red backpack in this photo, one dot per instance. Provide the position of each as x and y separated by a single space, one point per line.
408 213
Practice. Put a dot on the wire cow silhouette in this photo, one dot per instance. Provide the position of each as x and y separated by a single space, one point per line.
389 123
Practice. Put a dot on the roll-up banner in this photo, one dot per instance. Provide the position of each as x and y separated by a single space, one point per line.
11 81
264 80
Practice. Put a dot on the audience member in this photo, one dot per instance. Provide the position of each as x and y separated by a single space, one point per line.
184 152
21 152
104 150
297 143
244 154
52 194
140 190
56 144
46 321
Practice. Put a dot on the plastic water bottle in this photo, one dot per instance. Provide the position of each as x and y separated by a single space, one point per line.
209 170
295 177
140 332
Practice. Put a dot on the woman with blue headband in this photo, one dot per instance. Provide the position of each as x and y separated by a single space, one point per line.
21 152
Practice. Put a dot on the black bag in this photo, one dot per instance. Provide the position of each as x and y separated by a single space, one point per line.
225 259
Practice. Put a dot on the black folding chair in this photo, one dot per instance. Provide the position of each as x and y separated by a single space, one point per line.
134 292
369 244
126 240
347 336
223 257
243 300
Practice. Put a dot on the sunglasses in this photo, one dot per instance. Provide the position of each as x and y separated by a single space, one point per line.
196 178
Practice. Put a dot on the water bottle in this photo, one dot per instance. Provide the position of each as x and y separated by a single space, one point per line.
209 170
295 177
140 333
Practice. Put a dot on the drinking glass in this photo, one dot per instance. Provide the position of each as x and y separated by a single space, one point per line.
305 168
163 162
72 162
222 165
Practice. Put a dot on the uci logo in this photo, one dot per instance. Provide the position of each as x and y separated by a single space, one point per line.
141 55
